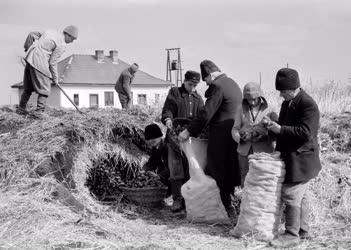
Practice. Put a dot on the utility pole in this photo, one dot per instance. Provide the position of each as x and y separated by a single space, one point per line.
287 65
260 79
174 65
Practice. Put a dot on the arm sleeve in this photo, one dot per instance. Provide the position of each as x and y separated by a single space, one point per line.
237 125
32 36
54 58
309 122
170 108
212 104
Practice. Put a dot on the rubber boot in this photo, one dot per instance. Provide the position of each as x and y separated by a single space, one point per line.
304 227
178 200
228 205
292 227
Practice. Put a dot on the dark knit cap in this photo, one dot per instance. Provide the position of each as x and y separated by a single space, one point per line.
192 76
287 79
152 131
207 67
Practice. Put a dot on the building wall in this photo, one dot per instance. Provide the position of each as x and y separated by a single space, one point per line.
58 99
85 91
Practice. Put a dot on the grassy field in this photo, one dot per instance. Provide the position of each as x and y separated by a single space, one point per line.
45 203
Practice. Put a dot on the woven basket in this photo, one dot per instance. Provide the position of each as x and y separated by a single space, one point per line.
145 196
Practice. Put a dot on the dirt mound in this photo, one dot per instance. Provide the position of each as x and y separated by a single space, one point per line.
44 167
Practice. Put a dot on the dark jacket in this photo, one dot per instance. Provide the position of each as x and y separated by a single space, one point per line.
124 81
180 104
159 161
224 96
297 140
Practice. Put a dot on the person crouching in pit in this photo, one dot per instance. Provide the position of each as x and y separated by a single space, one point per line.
249 129
159 154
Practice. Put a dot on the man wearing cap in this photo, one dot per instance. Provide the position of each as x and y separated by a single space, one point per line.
224 96
297 133
123 85
159 153
181 102
43 53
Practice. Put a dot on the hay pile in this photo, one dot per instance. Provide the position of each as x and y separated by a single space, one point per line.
50 159
45 203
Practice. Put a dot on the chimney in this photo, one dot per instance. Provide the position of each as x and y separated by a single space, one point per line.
99 56
114 56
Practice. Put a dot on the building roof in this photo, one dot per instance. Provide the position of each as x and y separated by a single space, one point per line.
87 70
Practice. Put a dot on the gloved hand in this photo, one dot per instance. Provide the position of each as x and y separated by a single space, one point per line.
169 124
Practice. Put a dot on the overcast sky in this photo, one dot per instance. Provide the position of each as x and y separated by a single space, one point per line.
242 37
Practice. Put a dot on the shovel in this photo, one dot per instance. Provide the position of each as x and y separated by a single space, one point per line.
59 86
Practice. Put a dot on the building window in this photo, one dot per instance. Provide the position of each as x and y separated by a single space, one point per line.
142 99
94 100
76 99
109 98
157 98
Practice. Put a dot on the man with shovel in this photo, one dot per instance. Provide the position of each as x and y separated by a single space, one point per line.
43 53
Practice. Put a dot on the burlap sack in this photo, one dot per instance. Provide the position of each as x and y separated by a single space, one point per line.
260 209
201 194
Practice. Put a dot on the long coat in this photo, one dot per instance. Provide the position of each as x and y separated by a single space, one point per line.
297 141
43 55
224 96
124 81
245 121
180 104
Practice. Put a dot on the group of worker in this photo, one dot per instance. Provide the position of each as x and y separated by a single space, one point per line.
238 124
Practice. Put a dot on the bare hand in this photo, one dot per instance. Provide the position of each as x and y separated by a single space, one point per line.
169 124
184 135
274 127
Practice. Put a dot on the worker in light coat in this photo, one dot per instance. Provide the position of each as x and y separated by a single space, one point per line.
43 53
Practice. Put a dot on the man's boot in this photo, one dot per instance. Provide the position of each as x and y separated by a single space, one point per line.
304 227
228 205
292 227
178 200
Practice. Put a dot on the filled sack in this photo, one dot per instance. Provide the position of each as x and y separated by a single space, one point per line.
260 209
201 193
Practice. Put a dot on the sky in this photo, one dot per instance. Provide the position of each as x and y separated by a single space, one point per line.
243 38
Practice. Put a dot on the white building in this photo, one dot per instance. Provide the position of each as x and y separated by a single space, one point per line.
89 80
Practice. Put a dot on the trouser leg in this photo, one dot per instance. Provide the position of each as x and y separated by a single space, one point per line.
24 99
292 196
244 167
41 102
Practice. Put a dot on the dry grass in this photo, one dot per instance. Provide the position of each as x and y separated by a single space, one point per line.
31 217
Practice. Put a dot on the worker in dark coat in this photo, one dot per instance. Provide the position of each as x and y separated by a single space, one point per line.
158 160
296 131
123 85
181 102
224 96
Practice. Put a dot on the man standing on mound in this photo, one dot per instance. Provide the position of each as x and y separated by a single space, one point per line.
123 85
43 53
223 99
296 131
